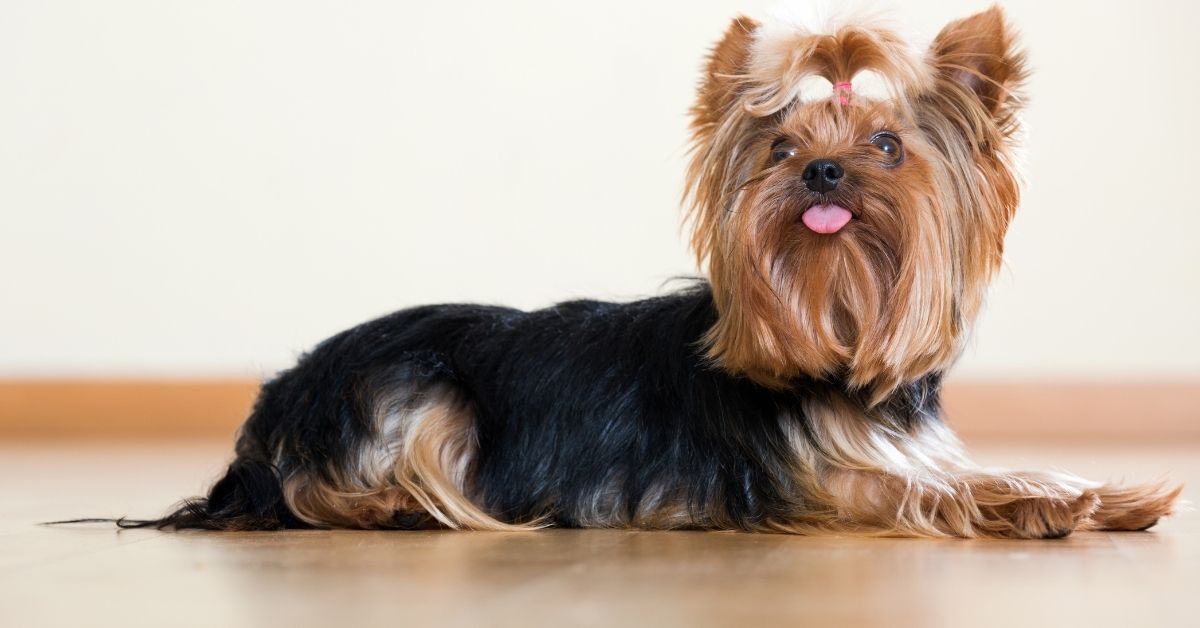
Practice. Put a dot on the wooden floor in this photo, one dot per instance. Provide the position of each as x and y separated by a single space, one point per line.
93 575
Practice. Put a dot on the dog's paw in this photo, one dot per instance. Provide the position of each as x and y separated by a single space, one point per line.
1133 507
1045 517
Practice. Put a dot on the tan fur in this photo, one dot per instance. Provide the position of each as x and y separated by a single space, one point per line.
1133 507
893 297
863 474
660 508
419 465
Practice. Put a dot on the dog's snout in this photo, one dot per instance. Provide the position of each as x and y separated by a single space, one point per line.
823 175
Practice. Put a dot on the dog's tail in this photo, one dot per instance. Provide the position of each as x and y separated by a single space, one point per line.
248 497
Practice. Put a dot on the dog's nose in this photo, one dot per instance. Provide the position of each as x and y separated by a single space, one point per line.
823 175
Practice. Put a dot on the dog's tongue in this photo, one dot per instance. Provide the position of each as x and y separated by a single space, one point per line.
826 218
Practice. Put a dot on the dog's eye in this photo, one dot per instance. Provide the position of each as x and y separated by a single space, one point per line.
782 149
890 146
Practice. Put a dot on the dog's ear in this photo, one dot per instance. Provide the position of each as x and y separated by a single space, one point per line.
724 74
970 115
720 127
979 54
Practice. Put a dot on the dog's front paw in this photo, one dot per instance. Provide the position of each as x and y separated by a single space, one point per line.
1133 507
1044 517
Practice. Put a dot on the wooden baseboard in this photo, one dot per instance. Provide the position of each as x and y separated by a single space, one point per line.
1075 411
1059 411
124 408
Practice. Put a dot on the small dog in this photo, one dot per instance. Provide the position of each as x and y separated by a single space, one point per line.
849 239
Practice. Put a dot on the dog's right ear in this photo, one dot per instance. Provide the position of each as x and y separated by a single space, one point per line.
723 75
719 128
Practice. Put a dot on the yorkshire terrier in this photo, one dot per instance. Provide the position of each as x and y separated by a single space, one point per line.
849 238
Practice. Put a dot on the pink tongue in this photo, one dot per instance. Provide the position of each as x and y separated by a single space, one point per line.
826 218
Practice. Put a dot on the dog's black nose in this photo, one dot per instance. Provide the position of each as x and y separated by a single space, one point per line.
823 175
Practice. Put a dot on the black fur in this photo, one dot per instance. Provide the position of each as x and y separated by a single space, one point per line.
567 399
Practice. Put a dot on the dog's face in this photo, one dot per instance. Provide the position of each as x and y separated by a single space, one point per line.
852 234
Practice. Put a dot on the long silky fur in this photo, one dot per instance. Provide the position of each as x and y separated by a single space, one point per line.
795 391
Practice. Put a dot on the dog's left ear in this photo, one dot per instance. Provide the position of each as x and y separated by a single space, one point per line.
979 54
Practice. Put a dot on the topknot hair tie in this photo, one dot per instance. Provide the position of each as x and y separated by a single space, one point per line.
843 91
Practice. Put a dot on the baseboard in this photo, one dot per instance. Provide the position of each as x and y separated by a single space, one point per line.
124 408
1075 411
1015 410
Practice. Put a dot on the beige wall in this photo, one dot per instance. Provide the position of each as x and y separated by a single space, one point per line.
193 188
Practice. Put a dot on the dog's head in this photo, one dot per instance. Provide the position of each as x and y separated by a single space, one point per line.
850 194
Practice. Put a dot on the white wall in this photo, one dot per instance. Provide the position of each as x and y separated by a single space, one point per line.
196 188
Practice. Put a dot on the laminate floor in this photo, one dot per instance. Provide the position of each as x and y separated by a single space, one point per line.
84 575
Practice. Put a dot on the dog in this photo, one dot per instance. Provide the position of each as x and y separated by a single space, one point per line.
849 194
